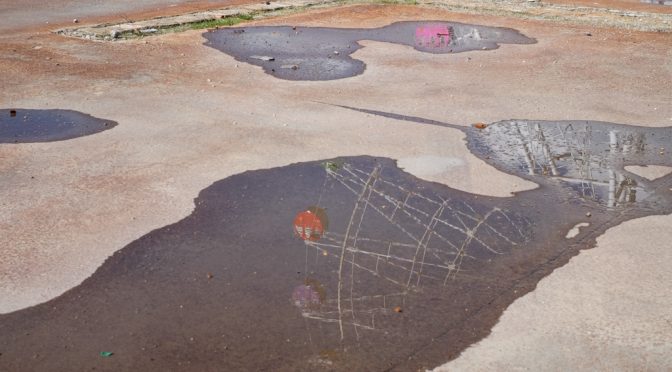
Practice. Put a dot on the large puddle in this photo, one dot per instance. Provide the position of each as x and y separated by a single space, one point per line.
349 263
319 53
26 125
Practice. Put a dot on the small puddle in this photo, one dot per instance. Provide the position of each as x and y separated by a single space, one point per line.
657 2
345 264
320 53
26 125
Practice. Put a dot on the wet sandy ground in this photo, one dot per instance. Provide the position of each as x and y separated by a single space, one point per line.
91 191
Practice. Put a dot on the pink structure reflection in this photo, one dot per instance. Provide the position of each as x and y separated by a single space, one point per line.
434 36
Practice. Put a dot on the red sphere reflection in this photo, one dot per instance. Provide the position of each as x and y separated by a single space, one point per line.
311 224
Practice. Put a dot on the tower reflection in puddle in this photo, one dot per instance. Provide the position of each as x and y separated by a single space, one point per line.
588 157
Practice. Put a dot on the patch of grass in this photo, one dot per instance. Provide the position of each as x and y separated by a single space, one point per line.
227 21
210 23
399 2
242 17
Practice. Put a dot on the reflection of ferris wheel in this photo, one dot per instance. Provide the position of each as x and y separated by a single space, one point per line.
422 239
587 157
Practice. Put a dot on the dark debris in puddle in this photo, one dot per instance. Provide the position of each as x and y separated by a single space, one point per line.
319 53
33 125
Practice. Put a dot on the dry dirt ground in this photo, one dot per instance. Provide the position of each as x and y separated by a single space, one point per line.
38 14
190 115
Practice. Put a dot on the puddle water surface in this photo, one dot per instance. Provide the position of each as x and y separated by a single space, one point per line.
345 264
319 53
586 156
25 125
657 2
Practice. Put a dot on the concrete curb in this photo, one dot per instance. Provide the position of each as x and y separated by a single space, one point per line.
525 9
120 31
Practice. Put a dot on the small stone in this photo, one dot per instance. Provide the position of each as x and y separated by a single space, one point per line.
480 125
589 34
588 214
114 34
75 20
336 52
398 309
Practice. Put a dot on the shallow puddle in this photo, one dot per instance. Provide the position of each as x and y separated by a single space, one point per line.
587 157
590 158
25 125
344 264
319 53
